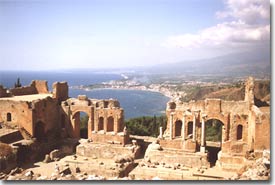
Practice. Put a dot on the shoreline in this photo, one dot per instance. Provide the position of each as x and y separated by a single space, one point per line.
125 88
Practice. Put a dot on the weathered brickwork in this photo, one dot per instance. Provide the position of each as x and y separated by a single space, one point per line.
245 127
38 113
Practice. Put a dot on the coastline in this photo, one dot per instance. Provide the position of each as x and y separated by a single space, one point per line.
166 93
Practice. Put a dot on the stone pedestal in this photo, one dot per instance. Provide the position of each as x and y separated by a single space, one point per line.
202 149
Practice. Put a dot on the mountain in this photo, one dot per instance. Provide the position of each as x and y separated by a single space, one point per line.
238 64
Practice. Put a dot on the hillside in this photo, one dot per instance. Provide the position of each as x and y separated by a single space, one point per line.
234 92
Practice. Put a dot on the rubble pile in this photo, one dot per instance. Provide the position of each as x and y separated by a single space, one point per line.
260 170
65 174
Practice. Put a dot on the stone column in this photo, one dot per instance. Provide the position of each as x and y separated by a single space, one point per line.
202 149
171 125
105 122
115 123
90 128
183 128
96 121
160 132
194 128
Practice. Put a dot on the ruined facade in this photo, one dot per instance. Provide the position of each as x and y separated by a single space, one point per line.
245 128
105 119
31 109
38 113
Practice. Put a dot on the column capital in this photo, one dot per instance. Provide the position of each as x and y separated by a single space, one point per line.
204 116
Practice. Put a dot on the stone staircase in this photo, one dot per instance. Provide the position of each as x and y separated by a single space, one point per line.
25 133
9 134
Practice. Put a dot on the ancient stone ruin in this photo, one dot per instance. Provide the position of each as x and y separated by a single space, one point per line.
245 134
39 125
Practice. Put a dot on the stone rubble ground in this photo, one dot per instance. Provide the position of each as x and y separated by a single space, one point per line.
259 170
59 169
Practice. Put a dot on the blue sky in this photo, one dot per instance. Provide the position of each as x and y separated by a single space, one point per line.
48 34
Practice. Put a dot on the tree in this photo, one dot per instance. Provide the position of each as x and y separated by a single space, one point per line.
146 125
17 83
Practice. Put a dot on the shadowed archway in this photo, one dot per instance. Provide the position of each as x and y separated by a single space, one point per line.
213 138
81 124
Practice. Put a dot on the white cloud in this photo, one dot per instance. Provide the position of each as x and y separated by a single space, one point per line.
248 11
250 27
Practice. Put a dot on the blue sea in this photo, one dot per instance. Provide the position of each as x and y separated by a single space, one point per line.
134 102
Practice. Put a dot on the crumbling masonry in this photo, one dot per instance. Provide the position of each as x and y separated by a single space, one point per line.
245 129
35 112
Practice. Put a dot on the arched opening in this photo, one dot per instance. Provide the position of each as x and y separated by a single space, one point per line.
8 116
81 124
239 132
39 131
178 126
84 119
213 138
110 124
100 124
190 127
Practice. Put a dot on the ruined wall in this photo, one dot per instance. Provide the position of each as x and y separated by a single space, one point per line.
60 91
36 87
172 157
17 113
121 138
3 92
46 113
25 90
262 131
41 86
235 107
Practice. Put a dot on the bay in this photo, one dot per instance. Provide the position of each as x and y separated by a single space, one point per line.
136 103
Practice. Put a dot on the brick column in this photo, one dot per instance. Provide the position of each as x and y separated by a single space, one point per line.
115 123
96 121
183 128
105 123
194 128
90 127
171 125
202 148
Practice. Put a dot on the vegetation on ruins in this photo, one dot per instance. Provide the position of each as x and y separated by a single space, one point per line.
213 130
84 125
146 125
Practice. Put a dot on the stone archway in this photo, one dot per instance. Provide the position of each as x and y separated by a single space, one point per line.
80 124
178 128
189 128
239 132
100 123
110 124
213 138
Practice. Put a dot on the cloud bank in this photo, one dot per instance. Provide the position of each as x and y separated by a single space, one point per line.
246 25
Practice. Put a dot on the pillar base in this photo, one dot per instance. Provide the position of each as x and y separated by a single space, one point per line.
202 149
